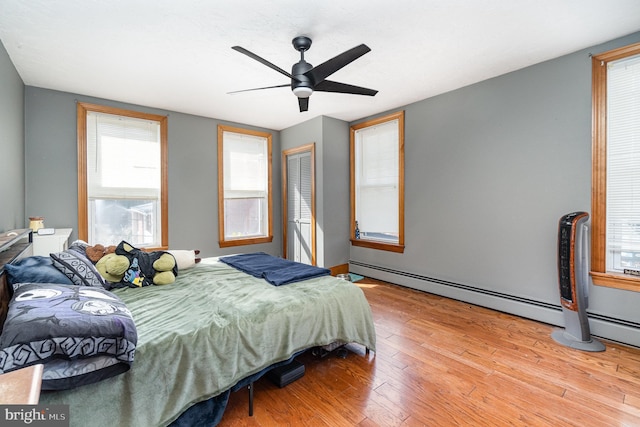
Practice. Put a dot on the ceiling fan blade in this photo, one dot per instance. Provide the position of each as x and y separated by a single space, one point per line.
324 70
331 86
304 104
263 61
257 88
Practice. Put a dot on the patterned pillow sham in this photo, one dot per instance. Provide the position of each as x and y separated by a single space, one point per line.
81 334
77 268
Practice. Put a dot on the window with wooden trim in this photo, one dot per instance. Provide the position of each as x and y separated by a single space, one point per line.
122 177
244 187
377 183
615 209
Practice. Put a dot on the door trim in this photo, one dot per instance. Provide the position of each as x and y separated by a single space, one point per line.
301 149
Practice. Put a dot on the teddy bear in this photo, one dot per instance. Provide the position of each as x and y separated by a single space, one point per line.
95 252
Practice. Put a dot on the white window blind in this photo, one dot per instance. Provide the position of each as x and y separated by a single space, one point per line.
623 164
124 156
123 179
246 185
377 180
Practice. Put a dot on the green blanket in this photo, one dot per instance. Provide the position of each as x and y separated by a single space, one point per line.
211 328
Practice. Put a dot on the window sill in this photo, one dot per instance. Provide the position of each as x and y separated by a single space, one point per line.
241 242
378 245
618 281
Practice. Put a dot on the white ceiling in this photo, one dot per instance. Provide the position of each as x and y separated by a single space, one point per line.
177 55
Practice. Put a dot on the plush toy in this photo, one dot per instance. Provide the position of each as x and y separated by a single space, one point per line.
185 258
112 267
96 252
147 268
164 269
125 265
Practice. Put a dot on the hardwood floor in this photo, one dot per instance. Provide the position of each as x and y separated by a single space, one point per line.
441 362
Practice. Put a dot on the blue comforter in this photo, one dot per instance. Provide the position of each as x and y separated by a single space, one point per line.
277 271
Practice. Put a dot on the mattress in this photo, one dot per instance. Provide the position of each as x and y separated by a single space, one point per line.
211 328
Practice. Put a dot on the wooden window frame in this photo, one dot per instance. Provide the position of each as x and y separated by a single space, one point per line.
83 206
224 243
392 247
599 172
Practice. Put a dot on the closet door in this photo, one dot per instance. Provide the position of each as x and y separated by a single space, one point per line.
300 208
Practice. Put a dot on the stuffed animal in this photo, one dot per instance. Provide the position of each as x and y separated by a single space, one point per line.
147 268
112 267
185 258
96 252
125 265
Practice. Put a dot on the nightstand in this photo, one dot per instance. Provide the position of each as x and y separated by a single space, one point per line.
21 387
51 243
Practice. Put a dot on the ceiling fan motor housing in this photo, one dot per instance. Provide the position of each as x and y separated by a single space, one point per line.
301 84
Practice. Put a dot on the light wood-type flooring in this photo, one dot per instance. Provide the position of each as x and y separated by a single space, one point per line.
441 362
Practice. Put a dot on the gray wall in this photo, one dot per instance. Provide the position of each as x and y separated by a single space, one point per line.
335 190
11 145
51 184
490 169
331 138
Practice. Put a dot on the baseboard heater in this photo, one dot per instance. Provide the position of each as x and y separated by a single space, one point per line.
530 302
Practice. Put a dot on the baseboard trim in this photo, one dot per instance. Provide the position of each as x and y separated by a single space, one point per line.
606 327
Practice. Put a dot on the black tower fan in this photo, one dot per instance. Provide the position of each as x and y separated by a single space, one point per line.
573 277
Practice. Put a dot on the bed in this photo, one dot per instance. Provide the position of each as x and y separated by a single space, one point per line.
212 331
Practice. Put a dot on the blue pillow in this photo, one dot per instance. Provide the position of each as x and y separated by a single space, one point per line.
35 269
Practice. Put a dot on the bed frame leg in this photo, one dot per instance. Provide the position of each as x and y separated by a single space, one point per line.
250 387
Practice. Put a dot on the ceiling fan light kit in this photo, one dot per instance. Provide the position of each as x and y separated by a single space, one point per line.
305 78
302 91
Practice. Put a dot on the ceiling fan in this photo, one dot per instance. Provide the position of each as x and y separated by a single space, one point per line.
305 78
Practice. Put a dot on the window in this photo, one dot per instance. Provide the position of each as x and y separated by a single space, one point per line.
615 258
244 187
122 177
377 183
